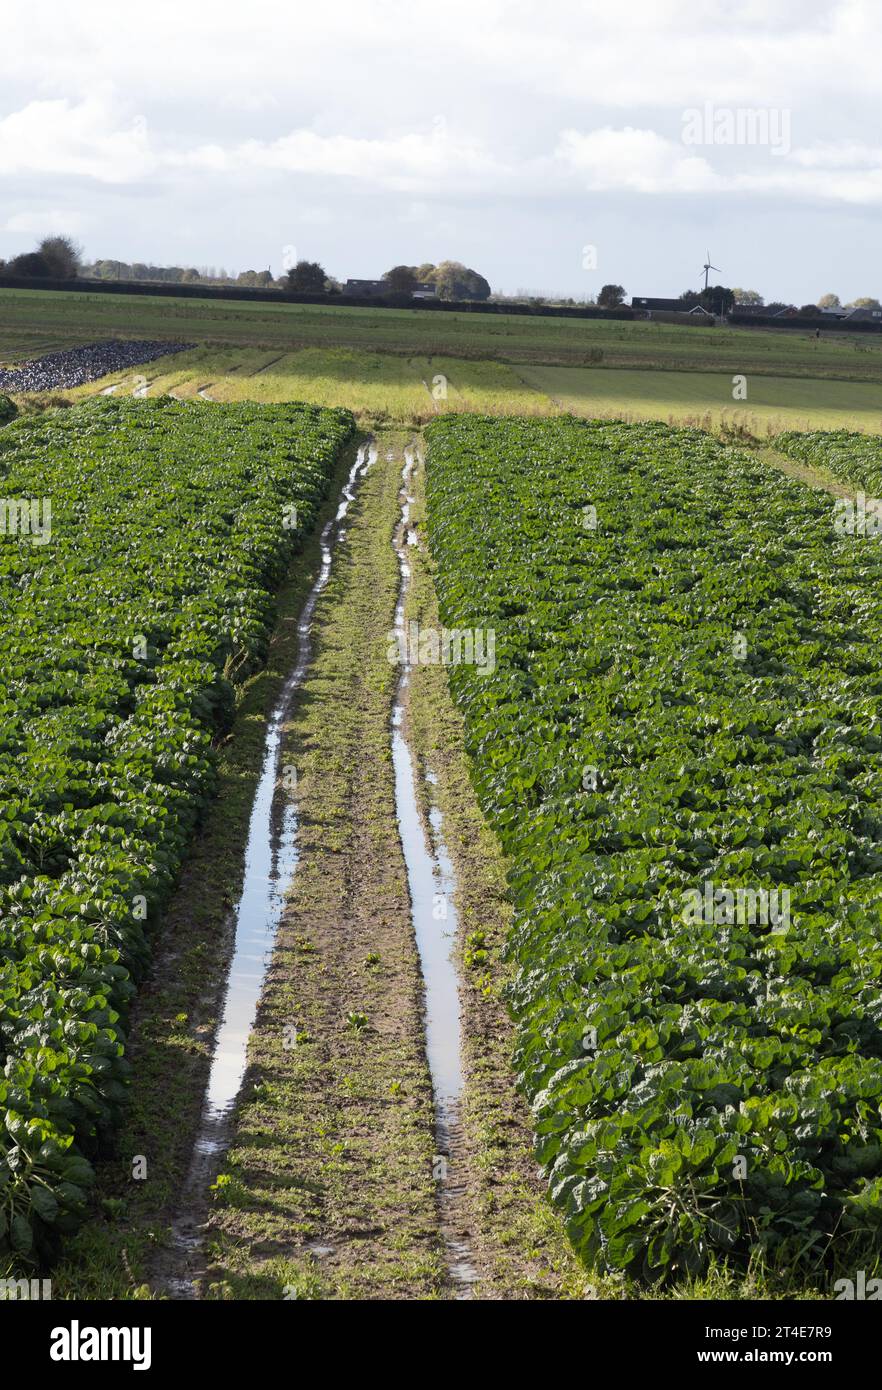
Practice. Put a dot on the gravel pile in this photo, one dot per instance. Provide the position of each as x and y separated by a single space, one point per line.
60 371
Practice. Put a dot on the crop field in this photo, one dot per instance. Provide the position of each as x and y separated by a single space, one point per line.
772 403
34 322
679 748
392 367
387 389
136 599
842 454
377 388
650 787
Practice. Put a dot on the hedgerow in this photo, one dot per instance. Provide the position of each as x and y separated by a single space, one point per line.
123 632
686 692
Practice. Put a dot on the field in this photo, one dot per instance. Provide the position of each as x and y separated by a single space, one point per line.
403 366
851 457
636 672
127 620
378 389
682 722
772 403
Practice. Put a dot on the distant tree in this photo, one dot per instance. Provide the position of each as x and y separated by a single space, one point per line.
425 273
306 277
748 297
255 279
62 256
31 266
778 307
611 297
809 311
401 279
865 303
829 301
109 270
477 287
717 299
453 280
689 299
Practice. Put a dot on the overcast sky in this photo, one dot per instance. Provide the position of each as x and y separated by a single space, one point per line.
553 146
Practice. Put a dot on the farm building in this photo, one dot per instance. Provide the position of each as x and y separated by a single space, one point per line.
650 305
377 289
366 289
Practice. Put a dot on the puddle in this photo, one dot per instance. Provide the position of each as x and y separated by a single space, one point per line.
431 882
270 862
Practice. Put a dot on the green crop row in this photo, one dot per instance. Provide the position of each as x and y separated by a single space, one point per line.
130 603
853 458
681 724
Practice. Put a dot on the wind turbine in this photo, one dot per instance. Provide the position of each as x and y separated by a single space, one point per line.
707 266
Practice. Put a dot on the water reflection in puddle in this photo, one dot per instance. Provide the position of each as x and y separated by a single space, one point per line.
431 883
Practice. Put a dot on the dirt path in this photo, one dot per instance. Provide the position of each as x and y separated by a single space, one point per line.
348 1177
341 1174
330 1190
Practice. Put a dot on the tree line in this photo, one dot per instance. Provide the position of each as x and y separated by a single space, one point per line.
751 299
60 258
449 280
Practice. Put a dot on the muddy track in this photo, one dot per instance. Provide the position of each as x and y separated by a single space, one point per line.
271 859
385 1154
330 1190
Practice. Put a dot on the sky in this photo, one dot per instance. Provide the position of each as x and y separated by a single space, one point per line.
553 146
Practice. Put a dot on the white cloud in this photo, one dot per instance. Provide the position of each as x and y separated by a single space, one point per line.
638 161
839 155
97 140
394 55
401 163
62 137
47 222
491 128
